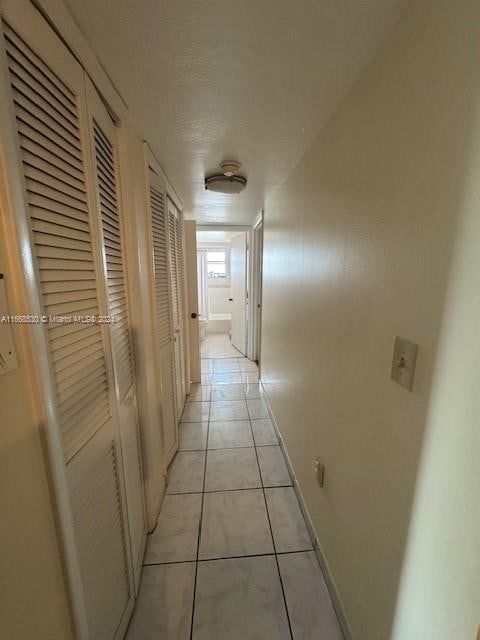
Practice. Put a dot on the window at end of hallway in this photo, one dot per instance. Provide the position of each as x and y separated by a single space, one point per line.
217 265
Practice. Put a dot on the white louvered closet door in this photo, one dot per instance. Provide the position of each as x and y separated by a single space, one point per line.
163 312
48 96
177 273
103 143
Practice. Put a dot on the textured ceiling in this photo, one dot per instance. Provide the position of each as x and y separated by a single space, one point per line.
213 236
208 80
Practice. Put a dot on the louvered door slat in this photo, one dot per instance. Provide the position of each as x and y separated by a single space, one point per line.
49 138
84 403
173 266
160 256
67 333
71 393
43 148
42 110
37 176
94 409
73 346
180 269
41 90
58 231
99 553
37 129
39 163
55 205
111 226
60 219
44 142
26 56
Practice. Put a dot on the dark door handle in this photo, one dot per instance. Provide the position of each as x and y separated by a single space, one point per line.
230 299
193 315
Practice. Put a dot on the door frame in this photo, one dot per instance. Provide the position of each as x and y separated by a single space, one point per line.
247 229
255 264
191 285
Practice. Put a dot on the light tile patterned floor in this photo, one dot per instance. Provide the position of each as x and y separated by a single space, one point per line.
231 557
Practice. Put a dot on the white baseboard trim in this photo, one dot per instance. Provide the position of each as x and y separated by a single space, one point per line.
332 589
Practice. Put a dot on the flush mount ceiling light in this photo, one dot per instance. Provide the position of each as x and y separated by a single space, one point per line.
228 181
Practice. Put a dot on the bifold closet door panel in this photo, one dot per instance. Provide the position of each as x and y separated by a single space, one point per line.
182 277
103 143
163 312
177 276
48 100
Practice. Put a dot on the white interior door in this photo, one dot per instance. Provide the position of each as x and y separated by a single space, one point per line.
163 312
177 276
49 105
105 165
238 298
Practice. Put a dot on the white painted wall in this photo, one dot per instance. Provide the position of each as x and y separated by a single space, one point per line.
376 233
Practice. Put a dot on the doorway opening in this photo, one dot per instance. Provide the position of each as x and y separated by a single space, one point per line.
222 270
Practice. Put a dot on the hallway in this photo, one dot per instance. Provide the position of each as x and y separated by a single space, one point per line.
249 571
188 189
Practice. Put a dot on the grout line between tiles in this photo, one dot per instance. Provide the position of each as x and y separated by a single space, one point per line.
260 446
276 486
251 555
200 527
273 539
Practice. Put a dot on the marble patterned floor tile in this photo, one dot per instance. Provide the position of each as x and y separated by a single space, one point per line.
192 436
175 538
247 365
196 412
199 393
229 410
257 409
288 526
273 469
232 469
228 392
253 390
221 354
226 365
234 523
264 432
186 472
206 378
164 607
249 377
206 365
312 615
234 377
229 434
239 599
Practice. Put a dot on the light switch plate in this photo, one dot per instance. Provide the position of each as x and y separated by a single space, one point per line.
319 469
403 364
8 358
